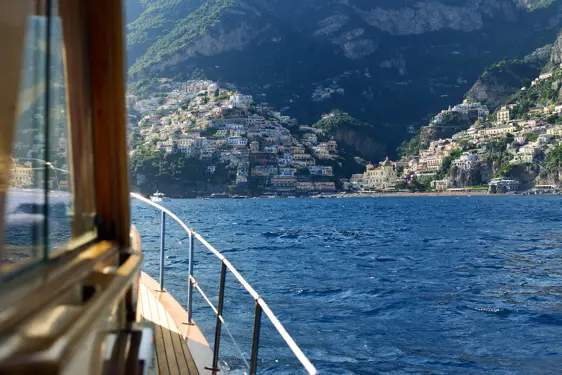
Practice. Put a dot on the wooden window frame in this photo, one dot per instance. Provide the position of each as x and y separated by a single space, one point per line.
93 32
95 98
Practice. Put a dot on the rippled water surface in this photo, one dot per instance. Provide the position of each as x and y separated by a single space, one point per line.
435 285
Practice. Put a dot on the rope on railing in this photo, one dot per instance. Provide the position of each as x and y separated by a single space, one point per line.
261 305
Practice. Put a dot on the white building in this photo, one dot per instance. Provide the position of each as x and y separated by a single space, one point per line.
496 131
528 153
237 132
502 185
256 121
321 152
321 170
21 176
211 89
167 146
287 172
466 161
286 160
241 101
503 115
184 145
555 131
235 126
441 185
237 141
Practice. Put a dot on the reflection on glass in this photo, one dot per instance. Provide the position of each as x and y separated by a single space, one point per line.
39 181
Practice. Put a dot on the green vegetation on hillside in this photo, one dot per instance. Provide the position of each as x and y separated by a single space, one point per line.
354 136
448 161
178 37
505 77
546 92
510 71
412 147
552 165
174 170
338 119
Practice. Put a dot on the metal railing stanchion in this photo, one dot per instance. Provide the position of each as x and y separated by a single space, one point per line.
218 326
162 244
255 340
190 279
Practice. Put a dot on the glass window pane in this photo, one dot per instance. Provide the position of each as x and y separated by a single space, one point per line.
25 201
39 214
59 194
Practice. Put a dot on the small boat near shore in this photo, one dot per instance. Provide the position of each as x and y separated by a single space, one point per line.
159 197
217 196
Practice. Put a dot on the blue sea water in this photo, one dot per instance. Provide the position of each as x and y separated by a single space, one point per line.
424 285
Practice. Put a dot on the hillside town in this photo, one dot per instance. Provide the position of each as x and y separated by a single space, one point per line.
504 152
225 128
501 152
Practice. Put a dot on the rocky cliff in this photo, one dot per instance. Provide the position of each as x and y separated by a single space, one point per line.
355 136
453 123
503 79
555 58
472 177
387 62
365 145
526 174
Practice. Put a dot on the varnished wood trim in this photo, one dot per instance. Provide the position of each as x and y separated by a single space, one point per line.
105 22
55 351
131 300
11 271
27 294
78 104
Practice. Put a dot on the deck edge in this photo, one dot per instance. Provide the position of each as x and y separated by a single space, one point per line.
196 342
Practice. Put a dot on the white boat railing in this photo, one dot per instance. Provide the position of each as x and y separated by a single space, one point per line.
260 305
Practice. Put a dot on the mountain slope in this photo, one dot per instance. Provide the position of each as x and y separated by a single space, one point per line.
373 59
354 135
504 78
500 84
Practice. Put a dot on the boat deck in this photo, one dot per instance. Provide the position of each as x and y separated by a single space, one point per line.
171 335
